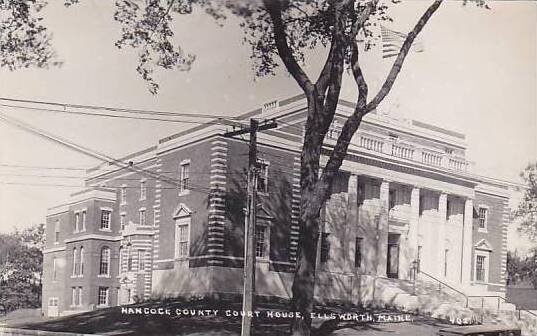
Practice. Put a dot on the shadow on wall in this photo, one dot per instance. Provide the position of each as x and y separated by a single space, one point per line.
276 204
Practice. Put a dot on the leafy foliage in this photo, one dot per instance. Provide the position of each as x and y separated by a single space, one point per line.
24 40
527 209
21 264
147 28
522 269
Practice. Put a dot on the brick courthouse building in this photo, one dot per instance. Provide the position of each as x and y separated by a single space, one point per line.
405 192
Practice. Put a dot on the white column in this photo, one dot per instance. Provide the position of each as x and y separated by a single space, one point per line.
441 224
382 233
467 247
351 227
413 228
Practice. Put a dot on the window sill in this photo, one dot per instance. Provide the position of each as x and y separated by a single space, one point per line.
102 305
184 192
56 243
106 230
143 199
105 276
482 230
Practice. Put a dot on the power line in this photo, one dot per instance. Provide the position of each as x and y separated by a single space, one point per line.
85 150
99 178
85 186
117 109
109 115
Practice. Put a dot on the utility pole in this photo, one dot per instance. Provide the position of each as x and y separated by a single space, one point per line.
250 223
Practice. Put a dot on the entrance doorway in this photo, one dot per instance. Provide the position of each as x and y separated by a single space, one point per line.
392 268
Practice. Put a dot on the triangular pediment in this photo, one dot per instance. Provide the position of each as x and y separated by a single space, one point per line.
262 213
483 245
182 211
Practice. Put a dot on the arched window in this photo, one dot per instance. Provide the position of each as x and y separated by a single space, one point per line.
104 264
81 261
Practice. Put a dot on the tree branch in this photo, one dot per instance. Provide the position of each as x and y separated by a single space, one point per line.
274 9
348 130
398 64
359 78
353 122
324 76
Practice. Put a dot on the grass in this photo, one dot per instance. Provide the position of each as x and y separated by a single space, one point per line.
112 321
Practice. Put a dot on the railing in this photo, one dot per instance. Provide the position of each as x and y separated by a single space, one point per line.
372 144
499 299
407 151
402 152
431 158
457 164
468 297
441 283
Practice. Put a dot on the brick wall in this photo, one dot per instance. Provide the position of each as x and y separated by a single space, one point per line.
495 234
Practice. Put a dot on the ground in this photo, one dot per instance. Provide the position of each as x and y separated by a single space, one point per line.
114 321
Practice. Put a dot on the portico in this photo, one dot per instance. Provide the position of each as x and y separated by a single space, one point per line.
402 218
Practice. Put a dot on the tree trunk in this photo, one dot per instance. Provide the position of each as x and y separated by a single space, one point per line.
310 206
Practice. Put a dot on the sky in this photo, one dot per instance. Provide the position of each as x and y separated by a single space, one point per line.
477 75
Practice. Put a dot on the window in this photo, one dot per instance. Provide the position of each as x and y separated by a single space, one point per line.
122 219
391 199
143 190
129 259
77 221
106 216
480 268
54 268
104 261
325 247
57 232
334 130
448 209
358 252
371 190
81 261
120 263
262 178
185 176
483 217
74 296
142 216
141 260
261 241
75 262
84 220
123 195
182 237
102 299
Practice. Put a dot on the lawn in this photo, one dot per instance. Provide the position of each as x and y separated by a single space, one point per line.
175 317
